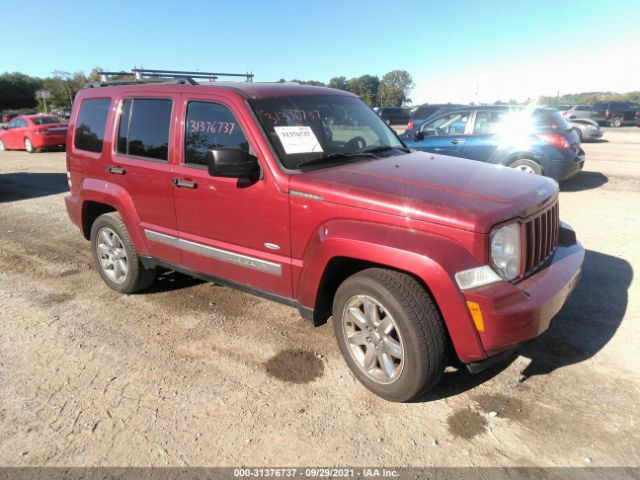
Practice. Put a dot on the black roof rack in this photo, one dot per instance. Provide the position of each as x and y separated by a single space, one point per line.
142 75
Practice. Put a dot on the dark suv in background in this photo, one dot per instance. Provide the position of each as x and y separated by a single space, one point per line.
615 114
394 115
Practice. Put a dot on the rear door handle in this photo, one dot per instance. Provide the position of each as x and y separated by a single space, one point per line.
115 170
179 182
456 141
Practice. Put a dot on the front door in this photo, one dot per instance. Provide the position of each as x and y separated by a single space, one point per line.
230 228
444 134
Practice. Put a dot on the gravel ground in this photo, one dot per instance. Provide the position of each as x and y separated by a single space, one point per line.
191 373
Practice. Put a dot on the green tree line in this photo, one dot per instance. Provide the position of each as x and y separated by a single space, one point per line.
19 91
392 90
589 98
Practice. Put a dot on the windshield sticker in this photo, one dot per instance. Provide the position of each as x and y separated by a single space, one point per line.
298 139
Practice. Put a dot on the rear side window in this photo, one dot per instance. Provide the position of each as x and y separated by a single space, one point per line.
209 126
90 125
144 128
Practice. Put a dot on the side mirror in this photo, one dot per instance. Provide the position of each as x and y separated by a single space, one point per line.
233 163
419 135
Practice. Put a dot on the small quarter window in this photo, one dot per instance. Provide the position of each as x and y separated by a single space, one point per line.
144 128
90 125
209 126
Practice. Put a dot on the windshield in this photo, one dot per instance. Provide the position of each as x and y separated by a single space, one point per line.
45 120
307 128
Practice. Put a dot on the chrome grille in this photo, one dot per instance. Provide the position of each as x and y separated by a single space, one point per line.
541 238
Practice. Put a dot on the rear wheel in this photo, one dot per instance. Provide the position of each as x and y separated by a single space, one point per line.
28 145
390 333
527 166
115 256
616 122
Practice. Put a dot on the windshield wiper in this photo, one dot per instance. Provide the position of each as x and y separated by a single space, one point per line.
384 148
332 157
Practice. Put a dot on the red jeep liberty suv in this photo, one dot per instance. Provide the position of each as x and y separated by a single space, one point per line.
305 196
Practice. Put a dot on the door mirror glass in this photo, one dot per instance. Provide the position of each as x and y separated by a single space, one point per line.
233 163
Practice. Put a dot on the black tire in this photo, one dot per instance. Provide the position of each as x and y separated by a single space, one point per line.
137 277
616 122
525 164
418 323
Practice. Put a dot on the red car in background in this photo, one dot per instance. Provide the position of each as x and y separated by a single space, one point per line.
33 132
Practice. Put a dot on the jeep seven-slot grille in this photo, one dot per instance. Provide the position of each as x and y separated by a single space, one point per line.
541 238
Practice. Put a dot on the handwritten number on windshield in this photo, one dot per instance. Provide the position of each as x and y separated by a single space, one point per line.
225 128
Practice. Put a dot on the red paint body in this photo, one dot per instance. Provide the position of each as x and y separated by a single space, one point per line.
41 136
427 215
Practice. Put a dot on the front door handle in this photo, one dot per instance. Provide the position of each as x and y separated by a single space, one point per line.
179 182
115 170
456 141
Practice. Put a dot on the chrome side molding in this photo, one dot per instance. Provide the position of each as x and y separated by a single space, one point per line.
217 253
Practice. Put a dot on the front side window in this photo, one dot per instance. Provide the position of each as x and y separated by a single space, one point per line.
144 128
451 124
12 124
22 123
90 125
208 126
323 129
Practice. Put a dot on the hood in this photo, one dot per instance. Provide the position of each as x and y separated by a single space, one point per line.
450 191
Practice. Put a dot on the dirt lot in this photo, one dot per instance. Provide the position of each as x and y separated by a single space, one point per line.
197 374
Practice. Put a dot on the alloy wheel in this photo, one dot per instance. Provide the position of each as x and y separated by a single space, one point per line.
525 169
112 255
373 339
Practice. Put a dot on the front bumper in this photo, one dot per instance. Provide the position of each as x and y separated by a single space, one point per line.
515 313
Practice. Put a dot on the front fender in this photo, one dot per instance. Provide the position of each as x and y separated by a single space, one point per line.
101 191
431 258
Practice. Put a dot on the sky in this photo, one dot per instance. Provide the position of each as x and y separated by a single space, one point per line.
456 51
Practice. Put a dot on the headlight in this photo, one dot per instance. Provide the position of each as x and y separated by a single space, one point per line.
506 252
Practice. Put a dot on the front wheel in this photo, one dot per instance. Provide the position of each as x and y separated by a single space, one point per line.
2 146
527 166
115 255
390 333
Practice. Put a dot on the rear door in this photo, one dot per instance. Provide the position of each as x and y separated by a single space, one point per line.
142 163
483 139
444 134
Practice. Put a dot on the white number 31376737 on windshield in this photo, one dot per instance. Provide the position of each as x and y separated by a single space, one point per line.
300 139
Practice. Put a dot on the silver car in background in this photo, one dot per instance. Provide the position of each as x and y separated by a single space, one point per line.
576 111
587 129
